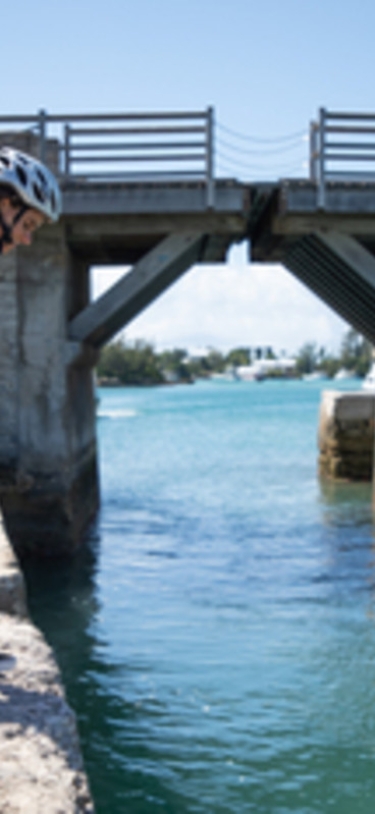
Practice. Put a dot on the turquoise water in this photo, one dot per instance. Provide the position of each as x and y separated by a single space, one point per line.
217 632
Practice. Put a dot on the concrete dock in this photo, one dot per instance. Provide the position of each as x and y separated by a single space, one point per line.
346 435
41 767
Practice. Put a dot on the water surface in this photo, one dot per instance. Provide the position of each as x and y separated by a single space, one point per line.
217 632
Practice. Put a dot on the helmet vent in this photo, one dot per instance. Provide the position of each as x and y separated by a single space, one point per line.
38 193
21 175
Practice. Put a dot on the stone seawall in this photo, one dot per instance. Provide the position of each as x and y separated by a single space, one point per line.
346 435
41 768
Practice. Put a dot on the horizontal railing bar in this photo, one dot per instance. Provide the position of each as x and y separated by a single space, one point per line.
338 129
157 175
177 157
172 145
351 178
100 117
349 116
347 145
348 157
19 119
348 173
133 131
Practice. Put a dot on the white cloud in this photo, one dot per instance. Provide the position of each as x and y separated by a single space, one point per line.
236 303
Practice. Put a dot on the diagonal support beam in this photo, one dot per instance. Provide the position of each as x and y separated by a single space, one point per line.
152 275
351 252
341 272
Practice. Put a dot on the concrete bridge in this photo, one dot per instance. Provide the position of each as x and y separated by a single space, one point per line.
140 190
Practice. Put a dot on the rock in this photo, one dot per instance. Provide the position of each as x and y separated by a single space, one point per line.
41 767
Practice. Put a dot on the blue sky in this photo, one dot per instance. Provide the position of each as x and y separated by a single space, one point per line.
266 67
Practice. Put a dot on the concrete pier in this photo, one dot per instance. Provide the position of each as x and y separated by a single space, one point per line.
41 768
48 468
346 435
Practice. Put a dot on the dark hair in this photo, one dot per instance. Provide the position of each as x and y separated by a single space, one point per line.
8 192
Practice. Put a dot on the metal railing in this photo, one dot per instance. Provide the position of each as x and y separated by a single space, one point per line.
137 147
342 148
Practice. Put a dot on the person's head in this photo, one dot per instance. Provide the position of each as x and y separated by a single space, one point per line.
29 197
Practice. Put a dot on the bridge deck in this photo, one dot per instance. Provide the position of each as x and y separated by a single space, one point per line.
117 222
284 212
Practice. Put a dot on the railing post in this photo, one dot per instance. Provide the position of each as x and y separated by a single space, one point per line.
42 135
313 152
210 183
67 150
322 182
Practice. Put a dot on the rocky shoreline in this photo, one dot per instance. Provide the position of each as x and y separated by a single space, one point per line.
41 767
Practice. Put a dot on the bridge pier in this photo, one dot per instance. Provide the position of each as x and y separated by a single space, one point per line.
48 459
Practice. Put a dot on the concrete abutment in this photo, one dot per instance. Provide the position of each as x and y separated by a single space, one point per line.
48 457
346 436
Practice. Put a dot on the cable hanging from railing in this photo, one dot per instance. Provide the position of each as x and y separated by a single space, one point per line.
259 152
264 170
233 157
258 139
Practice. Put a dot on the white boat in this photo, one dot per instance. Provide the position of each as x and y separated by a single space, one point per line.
369 380
344 373
316 376
251 373
229 375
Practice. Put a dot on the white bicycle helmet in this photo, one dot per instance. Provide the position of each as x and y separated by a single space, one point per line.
32 182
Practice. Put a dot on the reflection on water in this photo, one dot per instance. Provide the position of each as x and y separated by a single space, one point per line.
216 633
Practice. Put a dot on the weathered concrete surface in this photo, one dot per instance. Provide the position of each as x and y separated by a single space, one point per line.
41 769
48 458
346 435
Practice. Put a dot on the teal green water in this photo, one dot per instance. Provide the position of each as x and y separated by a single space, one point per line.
217 632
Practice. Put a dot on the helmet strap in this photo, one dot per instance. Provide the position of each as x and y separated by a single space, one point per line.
6 236
19 214
7 231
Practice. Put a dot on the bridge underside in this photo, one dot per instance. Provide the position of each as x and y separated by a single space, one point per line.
159 230
330 251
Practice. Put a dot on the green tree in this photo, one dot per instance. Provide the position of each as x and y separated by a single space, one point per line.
238 357
112 361
212 362
330 365
134 364
215 361
174 366
356 353
308 358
